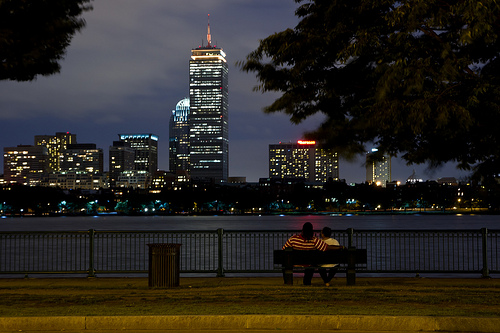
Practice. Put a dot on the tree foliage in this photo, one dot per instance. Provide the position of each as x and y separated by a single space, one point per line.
34 35
417 78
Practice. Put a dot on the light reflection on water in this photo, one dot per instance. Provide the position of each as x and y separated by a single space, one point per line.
264 222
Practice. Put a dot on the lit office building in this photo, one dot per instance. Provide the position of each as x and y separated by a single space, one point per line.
121 158
137 179
303 160
24 162
378 168
83 157
55 144
72 180
179 137
208 132
145 148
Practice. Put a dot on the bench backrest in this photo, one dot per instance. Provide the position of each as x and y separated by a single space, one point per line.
298 257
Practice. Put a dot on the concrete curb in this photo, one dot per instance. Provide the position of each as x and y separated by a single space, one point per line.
255 322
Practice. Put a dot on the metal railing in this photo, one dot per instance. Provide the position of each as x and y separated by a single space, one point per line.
227 251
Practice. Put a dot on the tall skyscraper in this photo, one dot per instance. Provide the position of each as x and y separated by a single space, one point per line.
378 168
55 144
179 137
208 130
146 151
303 160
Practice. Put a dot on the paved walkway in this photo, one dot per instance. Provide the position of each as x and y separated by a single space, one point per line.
249 323
219 331
215 331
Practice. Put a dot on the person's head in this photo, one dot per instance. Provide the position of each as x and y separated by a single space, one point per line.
327 232
307 230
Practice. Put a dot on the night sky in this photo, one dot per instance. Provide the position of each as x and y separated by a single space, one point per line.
128 68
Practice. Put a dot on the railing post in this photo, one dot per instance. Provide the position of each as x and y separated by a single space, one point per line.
220 268
91 252
351 266
350 236
485 271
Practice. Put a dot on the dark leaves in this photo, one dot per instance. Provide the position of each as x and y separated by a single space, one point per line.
34 35
417 78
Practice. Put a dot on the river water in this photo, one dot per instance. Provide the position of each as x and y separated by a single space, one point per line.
264 222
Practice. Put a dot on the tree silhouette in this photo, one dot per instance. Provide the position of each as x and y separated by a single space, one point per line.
34 35
418 79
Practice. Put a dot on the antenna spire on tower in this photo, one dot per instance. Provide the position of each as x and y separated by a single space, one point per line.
209 37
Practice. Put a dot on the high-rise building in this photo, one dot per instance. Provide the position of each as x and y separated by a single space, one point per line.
303 159
179 137
82 157
145 148
55 144
121 159
378 168
208 129
24 161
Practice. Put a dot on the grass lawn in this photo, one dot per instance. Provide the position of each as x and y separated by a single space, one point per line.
209 296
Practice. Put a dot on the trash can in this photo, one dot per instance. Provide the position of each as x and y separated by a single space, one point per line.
164 265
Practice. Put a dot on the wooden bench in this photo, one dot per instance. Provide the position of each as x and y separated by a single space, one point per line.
288 258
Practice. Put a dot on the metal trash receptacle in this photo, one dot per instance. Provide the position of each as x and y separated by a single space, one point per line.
164 265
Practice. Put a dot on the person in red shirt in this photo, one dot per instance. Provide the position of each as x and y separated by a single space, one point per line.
306 241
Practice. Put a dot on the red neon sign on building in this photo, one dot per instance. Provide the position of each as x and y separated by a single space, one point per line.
306 142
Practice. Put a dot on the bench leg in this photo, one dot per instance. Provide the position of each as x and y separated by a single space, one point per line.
288 276
308 275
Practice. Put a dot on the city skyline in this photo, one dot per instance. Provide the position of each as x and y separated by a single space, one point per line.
137 153
128 68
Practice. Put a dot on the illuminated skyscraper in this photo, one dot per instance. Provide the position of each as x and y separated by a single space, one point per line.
55 145
378 169
145 147
179 137
208 124
302 160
